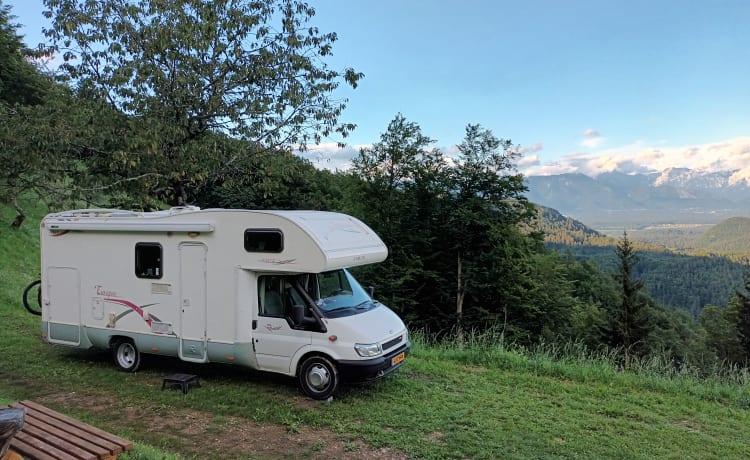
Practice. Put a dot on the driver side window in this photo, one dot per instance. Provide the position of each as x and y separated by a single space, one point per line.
270 297
278 298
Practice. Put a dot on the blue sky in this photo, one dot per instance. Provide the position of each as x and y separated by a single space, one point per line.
582 86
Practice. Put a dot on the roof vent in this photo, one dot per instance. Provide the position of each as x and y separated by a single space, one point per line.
179 209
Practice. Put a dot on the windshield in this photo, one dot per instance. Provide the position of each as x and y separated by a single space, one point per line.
337 290
335 293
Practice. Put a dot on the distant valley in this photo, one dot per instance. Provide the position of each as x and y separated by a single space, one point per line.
676 200
730 237
682 269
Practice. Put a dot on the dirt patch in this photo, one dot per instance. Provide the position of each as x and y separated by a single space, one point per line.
688 425
435 436
197 434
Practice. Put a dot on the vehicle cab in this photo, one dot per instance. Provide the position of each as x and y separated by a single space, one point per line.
325 329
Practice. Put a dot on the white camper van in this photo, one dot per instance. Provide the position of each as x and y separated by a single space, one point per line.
268 290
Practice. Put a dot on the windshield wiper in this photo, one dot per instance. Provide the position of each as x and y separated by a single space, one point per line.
339 309
359 306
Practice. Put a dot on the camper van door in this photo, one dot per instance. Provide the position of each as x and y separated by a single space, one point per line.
274 339
63 291
193 302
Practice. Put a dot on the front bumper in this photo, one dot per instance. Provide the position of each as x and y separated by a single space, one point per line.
359 371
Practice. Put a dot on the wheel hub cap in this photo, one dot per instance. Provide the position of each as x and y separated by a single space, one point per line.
126 356
318 377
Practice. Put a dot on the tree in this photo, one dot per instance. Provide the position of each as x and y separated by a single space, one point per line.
20 80
486 206
741 315
178 70
593 291
269 180
28 161
722 336
25 92
395 174
629 326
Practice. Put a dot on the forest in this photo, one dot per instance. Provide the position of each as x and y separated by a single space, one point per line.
688 279
149 111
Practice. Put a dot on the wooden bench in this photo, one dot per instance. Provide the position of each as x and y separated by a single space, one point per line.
50 435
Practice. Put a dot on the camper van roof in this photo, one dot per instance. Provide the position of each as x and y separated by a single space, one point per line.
323 240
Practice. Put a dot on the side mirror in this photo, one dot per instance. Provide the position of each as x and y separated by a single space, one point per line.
371 291
298 314
300 320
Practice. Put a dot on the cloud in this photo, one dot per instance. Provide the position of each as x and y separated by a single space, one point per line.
593 142
639 157
592 139
531 149
591 133
549 169
330 156
529 161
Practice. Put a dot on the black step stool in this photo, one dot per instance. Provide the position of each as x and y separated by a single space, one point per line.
181 380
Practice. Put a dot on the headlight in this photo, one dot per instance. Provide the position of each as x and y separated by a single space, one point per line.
368 349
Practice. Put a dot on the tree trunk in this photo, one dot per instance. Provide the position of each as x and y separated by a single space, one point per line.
180 193
460 293
21 214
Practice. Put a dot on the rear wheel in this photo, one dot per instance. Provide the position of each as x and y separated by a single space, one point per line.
126 355
318 377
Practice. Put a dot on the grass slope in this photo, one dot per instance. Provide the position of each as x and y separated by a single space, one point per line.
728 236
482 400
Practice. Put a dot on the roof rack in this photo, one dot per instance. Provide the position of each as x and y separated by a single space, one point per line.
97 212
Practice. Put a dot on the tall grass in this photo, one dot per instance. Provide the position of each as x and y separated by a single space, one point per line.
573 360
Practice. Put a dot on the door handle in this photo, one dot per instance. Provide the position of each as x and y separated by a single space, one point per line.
255 324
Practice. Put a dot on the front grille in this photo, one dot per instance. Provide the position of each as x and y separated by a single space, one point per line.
392 343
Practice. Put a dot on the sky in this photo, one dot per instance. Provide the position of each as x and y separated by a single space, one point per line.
580 85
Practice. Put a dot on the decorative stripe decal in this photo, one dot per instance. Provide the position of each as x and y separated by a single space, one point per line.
133 307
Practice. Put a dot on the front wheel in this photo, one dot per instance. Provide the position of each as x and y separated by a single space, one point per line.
318 377
126 355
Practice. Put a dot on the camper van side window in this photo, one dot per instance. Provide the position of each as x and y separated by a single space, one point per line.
264 240
270 296
148 262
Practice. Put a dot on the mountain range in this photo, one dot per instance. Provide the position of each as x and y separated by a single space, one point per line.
617 200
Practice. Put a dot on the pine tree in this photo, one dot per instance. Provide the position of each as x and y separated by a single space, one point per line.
743 315
629 323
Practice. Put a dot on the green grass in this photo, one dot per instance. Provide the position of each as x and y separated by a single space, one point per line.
485 399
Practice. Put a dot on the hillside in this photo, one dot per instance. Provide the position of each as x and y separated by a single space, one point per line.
565 230
728 236
482 399
675 237
560 229
679 280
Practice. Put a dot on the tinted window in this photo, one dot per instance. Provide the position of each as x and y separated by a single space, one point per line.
264 240
271 296
148 262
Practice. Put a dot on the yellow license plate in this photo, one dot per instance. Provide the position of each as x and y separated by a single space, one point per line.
398 358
